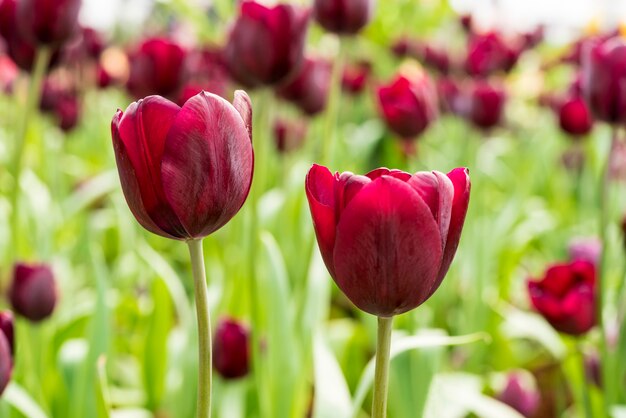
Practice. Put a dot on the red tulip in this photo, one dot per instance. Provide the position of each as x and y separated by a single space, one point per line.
156 67
185 171
484 105
231 349
289 135
488 53
466 21
33 292
6 328
388 237
565 296
309 89
48 22
408 104
520 394
355 76
575 117
604 78
6 363
266 45
343 16
62 102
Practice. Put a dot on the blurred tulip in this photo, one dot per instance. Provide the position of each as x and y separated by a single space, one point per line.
266 45
575 117
289 135
585 249
355 76
533 38
48 22
604 77
483 104
231 349
185 172
566 296
388 237
435 58
8 74
520 394
466 21
6 363
156 67
402 47
6 328
33 292
205 71
62 102
310 87
593 368
488 53
344 17
408 104
103 78
448 91
92 42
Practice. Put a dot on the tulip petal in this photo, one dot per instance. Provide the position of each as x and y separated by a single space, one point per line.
244 106
461 182
388 249
320 192
138 138
207 164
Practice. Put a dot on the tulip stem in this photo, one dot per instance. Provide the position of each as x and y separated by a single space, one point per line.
381 376
42 59
586 400
205 354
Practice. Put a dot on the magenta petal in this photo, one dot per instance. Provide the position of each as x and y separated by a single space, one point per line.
244 107
138 140
207 164
320 192
388 249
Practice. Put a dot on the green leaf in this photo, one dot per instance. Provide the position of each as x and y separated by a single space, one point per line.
332 395
19 399
103 401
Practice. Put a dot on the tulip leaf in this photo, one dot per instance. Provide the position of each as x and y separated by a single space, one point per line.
332 395
103 401
19 399
402 345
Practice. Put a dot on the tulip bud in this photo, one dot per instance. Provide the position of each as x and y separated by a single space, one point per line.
231 349
408 104
33 292
185 171
604 75
388 237
566 296
343 16
156 67
520 394
289 135
48 22
6 362
488 53
309 89
266 45
484 105
575 117
6 328
355 76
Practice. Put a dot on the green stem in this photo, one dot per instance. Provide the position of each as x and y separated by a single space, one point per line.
584 385
381 376
332 111
204 329
42 59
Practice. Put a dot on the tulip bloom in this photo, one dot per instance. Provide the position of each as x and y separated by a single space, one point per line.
309 89
231 349
355 76
156 67
603 79
488 53
344 17
185 171
48 22
484 105
388 237
575 117
408 104
266 45
33 292
520 394
566 296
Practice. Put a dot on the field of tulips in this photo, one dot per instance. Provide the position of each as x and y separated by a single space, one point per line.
310 209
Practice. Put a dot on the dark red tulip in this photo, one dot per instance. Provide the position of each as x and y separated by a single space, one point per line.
565 296
156 67
484 104
6 328
309 89
520 394
388 237
266 45
6 362
604 80
403 47
185 171
575 117
408 104
344 17
466 21
488 53
231 349
33 292
355 76
289 135
48 22
435 58
104 79
92 42
62 102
